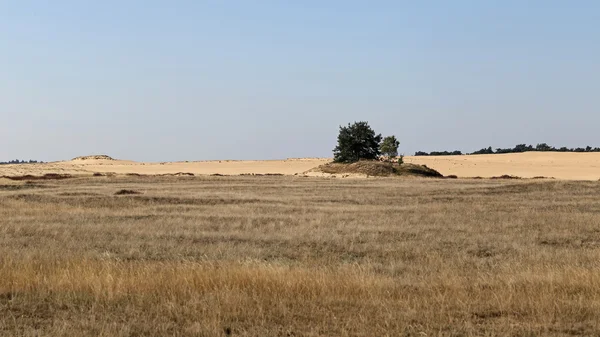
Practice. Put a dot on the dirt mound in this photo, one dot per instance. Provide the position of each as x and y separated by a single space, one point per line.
94 157
417 170
369 168
377 169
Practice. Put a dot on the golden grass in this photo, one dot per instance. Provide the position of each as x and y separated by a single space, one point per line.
285 256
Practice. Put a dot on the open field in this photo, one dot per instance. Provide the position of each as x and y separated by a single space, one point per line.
292 256
566 166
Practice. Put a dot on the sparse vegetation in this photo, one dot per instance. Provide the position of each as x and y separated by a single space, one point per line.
93 157
288 256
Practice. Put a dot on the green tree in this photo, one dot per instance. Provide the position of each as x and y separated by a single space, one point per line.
355 142
389 147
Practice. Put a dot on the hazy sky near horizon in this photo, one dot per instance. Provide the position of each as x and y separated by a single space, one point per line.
198 80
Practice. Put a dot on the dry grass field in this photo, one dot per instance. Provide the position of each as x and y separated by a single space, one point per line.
292 256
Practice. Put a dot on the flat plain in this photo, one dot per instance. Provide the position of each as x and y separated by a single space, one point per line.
297 256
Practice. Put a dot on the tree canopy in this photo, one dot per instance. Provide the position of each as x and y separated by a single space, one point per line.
389 147
355 142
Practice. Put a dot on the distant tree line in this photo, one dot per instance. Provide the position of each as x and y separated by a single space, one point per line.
520 148
438 153
17 161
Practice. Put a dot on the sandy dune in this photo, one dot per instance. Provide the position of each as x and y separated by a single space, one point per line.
225 167
573 166
570 166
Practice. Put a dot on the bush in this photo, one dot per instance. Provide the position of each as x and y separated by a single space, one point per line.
355 142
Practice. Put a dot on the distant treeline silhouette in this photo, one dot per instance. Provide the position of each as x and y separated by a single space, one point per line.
520 148
17 161
438 153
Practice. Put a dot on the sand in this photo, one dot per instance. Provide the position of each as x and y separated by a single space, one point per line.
92 165
569 166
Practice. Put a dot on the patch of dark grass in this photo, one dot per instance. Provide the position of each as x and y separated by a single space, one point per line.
505 176
199 202
47 176
178 174
19 187
127 192
78 194
489 314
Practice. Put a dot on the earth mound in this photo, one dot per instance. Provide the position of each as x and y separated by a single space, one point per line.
418 170
94 157
378 169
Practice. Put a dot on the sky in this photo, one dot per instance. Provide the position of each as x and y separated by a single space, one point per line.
200 80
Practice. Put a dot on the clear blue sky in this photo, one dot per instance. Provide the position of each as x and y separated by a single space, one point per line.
196 80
